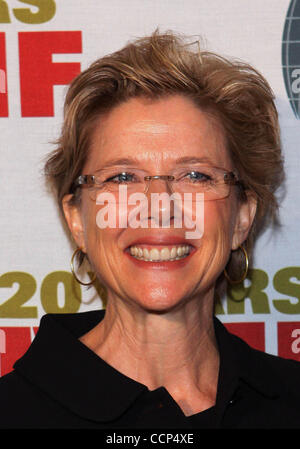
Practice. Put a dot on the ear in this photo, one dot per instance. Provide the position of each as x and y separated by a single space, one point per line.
244 219
73 217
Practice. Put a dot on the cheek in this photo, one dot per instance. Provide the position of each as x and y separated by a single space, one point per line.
88 214
93 235
215 245
100 235
219 223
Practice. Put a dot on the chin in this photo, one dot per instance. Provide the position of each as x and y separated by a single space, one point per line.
159 299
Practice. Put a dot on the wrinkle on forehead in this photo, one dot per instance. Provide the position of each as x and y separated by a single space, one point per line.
158 135
156 156
150 126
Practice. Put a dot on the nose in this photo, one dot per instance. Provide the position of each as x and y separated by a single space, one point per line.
162 181
161 208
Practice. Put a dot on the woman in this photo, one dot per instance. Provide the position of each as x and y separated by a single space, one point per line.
159 117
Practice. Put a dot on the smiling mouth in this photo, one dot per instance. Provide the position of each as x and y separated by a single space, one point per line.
159 254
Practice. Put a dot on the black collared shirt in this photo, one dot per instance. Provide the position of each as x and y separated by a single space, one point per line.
60 383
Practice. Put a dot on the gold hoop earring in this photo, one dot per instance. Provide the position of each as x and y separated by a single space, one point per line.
73 271
232 281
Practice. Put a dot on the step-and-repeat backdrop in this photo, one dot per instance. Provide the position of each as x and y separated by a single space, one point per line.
43 45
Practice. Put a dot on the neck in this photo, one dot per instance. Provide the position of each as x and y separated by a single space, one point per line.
176 349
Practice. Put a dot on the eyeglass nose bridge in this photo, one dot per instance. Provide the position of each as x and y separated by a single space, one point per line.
167 178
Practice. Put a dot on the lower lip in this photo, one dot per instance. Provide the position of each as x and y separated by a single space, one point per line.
164 265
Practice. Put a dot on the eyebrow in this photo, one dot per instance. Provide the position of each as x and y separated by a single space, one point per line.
183 160
193 160
122 161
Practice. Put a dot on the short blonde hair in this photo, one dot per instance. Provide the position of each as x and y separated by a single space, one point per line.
165 64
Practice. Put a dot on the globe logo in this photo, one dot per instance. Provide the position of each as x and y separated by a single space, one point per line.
291 55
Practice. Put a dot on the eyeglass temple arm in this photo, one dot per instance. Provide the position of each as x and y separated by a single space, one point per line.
232 179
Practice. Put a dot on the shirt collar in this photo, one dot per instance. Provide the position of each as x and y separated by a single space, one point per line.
59 364
74 375
241 362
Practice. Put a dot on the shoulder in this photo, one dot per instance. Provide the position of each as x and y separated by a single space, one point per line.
31 395
253 362
272 362
271 384
12 387
23 405
284 370
275 374
17 397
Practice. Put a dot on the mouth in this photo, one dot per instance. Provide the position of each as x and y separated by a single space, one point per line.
159 253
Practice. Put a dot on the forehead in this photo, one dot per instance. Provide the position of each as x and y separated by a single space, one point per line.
158 132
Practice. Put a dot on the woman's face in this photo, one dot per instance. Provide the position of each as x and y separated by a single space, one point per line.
154 136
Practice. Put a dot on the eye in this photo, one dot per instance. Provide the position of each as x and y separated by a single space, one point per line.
120 178
197 176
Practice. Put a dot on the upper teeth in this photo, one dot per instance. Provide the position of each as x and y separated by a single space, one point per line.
155 254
